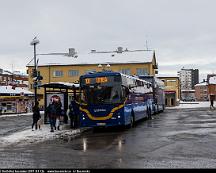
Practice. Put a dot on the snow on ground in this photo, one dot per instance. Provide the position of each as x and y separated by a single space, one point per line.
185 105
21 114
28 136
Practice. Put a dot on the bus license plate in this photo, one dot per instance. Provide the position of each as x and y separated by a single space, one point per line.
101 124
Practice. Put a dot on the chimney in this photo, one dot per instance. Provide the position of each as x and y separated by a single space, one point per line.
119 49
71 52
93 51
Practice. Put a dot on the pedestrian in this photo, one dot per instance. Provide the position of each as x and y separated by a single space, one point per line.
52 114
36 116
212 97
74 114
58 106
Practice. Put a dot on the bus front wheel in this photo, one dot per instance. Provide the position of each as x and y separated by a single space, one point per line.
131 124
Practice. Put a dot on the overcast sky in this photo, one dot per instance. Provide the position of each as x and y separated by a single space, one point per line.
183 32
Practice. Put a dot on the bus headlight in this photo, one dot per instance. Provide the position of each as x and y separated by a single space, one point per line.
83 118
119 116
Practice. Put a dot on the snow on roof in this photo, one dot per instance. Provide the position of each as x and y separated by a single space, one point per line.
166 75
17 90
7 72
212 80
202 84
95 58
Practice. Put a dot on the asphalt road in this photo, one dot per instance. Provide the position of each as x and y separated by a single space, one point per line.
174 139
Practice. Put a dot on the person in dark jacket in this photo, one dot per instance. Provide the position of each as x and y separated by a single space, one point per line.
212 98
36 116
74 114
52 114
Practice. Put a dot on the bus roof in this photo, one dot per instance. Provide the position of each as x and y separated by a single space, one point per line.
102 73
111 73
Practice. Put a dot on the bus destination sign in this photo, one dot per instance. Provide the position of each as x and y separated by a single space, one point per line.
96 80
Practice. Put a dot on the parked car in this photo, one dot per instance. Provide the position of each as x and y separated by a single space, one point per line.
189 99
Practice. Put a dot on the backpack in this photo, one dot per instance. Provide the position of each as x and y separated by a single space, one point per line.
52 109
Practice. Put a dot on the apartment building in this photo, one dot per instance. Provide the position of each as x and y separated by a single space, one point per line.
188 78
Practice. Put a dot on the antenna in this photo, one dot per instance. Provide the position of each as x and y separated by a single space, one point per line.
147 45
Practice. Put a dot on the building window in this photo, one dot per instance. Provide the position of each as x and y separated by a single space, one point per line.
141 71
125 71
57 73
73 73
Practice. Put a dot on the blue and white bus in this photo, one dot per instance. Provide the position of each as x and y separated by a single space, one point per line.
158 92
114 99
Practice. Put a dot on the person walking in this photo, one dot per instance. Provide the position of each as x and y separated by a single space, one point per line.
52 114
212 98
36 116
58 106
72 115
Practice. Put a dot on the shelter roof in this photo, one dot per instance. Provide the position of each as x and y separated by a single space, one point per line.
61 85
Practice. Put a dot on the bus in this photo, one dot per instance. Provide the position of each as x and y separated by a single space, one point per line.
114 99
158 92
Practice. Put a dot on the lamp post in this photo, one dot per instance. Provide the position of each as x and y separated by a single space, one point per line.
34 42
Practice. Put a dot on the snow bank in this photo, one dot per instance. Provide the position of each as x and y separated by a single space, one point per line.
28 136
185 105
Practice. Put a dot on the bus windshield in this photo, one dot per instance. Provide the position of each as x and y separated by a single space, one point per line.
101 94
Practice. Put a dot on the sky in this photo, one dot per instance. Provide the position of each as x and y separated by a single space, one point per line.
182 32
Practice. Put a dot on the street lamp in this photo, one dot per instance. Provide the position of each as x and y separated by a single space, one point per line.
34 42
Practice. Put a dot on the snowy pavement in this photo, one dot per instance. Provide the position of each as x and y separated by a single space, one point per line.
28 136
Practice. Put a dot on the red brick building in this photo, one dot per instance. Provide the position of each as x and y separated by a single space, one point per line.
201 91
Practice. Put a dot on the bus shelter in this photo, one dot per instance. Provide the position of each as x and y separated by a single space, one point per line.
62 91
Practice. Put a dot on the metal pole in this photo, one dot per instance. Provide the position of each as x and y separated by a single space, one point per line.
35 67
33 43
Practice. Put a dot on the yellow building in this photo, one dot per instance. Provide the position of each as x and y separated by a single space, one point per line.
60 68
172 89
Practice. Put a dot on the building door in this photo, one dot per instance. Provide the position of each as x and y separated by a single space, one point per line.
172 102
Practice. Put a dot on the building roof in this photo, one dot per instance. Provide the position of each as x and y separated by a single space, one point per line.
17 90
97 58
212 80
202 84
